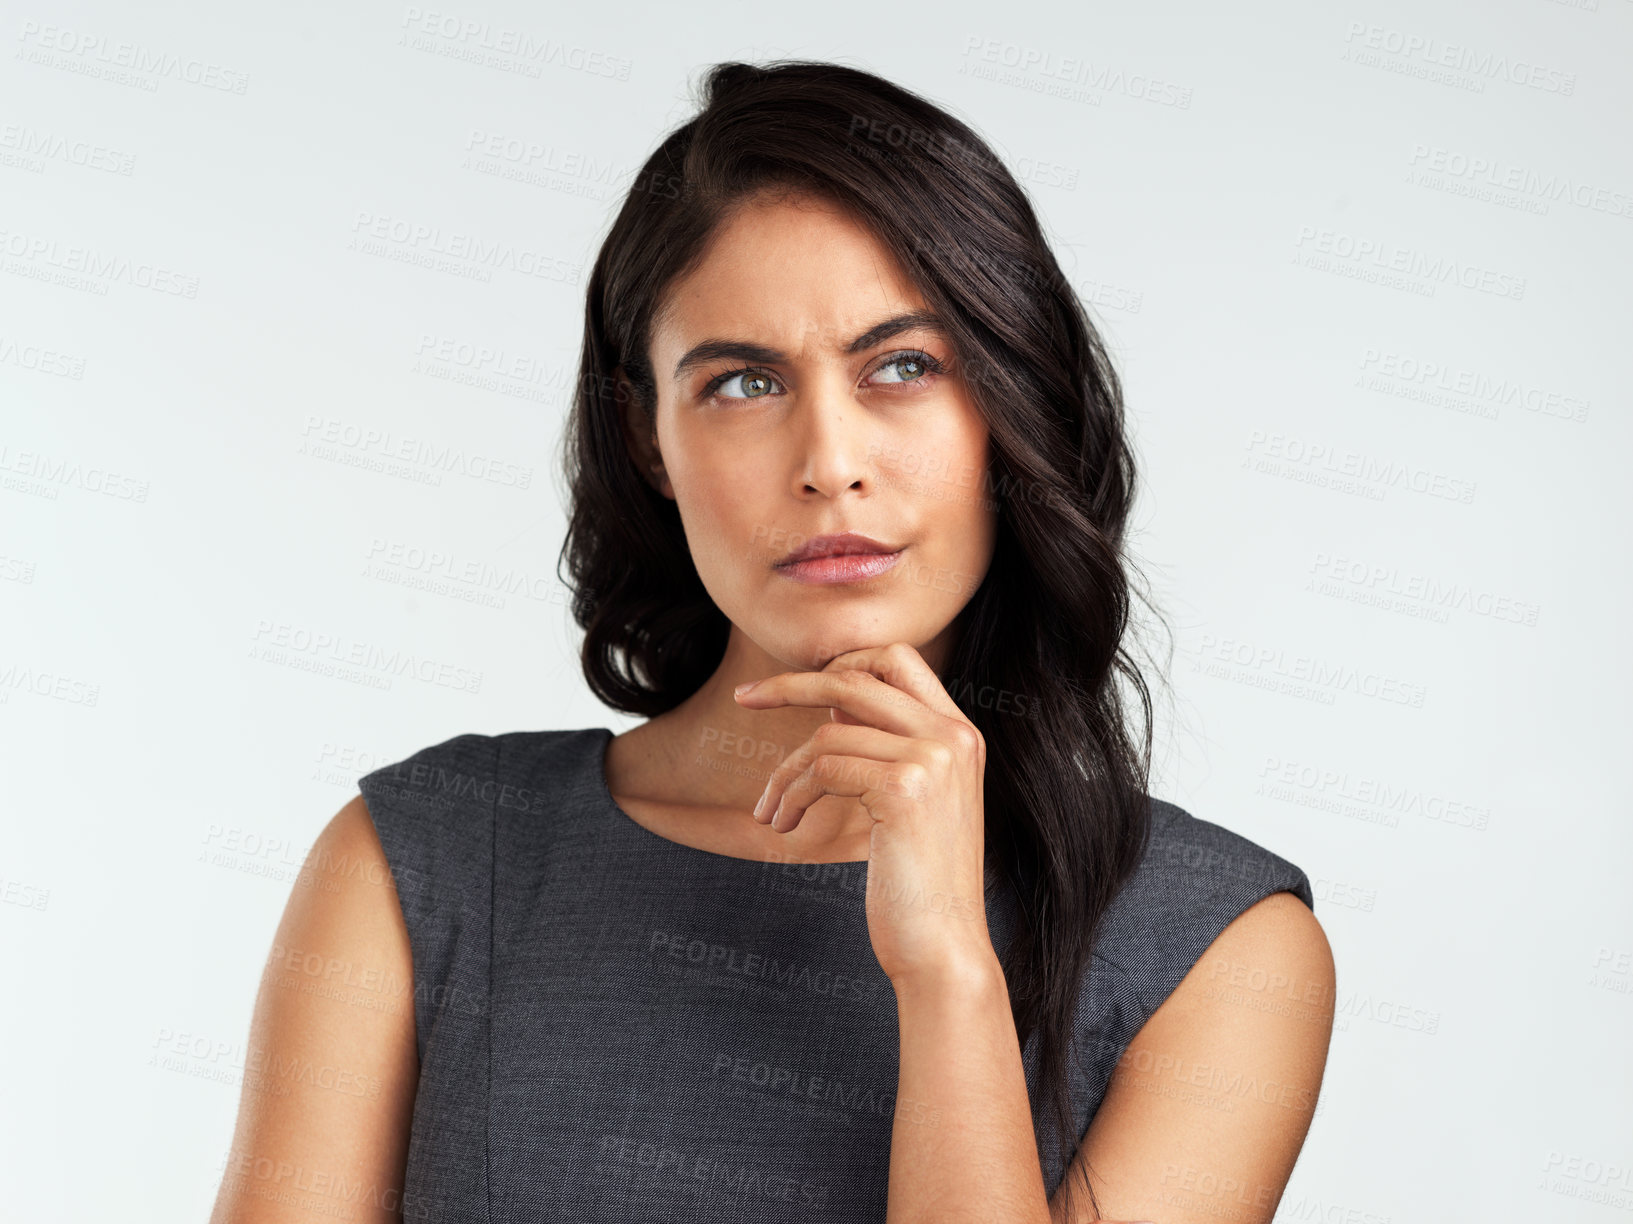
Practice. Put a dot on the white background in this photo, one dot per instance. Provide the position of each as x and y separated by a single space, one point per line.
1379 505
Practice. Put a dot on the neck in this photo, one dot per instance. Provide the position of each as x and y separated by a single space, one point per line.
710 752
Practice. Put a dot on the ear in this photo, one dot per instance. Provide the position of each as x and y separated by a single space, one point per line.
641 435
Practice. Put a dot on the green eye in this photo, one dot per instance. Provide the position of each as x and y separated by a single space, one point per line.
754 385
909 366
907 361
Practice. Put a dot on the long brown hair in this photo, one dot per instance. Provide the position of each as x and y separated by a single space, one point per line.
1066 802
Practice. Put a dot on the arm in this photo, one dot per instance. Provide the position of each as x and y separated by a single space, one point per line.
331 1069
1210 1103
962 1146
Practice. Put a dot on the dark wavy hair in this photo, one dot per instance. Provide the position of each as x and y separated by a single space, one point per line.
1067 810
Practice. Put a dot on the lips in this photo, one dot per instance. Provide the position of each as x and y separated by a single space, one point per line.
848 544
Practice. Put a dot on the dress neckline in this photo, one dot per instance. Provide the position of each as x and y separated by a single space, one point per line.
599 741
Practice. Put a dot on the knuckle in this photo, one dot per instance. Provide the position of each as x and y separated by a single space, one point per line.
825 733
967 737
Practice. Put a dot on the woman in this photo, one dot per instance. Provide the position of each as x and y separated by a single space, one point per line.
849 487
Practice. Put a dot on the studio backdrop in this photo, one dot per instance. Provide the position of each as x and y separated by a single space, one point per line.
291 300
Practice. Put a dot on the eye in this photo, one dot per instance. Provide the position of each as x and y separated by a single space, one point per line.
756 384
911 366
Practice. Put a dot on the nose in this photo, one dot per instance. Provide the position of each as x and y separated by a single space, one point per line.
834 437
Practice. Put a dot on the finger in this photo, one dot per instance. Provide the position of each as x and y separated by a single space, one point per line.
862 695
870 780
833 738
900 666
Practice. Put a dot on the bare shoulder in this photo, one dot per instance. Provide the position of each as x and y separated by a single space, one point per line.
331 1063
1259 1002
1275 949
1210 1103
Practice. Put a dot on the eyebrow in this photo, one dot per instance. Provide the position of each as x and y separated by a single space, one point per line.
743 350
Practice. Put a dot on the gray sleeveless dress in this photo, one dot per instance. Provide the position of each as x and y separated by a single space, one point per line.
614 1026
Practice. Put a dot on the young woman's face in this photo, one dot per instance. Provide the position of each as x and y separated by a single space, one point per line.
780 418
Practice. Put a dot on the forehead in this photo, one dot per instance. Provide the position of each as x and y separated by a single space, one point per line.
796 273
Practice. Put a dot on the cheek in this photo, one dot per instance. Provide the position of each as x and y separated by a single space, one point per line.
943 465
969 528
943 440
723 517
956 502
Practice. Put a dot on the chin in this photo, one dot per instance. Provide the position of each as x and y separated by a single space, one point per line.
816 651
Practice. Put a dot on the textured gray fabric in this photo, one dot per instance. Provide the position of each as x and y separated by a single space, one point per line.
614 1026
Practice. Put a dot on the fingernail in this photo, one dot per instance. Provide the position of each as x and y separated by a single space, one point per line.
759 805
743 688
